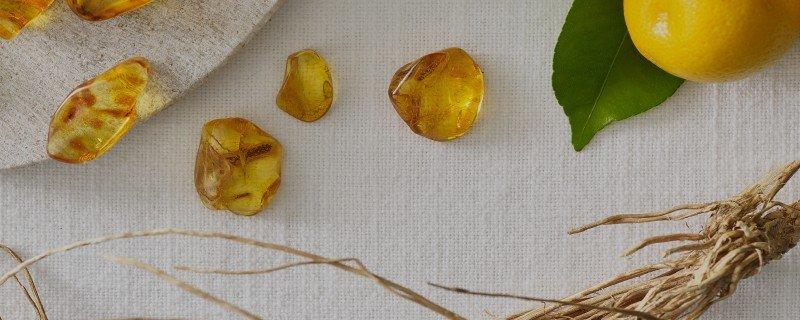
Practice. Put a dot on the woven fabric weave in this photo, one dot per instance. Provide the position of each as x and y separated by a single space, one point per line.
489 211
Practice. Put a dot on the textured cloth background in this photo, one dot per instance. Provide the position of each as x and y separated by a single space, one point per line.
489 211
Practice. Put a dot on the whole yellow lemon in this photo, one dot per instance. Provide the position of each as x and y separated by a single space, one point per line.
712 40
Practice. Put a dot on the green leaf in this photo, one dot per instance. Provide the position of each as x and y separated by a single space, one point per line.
598 75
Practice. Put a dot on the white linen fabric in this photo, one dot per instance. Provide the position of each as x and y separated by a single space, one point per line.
489 211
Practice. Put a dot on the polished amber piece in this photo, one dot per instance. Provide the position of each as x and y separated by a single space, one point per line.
307 91
16 14
238 166
98 113
439 95
97 10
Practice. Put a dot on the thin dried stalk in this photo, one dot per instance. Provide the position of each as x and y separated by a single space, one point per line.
359 268
185 286
742 234
31 294
634 313
257 271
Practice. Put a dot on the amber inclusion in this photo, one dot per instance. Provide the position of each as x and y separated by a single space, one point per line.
16 14
307 91
97 10
238 166
98 113
439 95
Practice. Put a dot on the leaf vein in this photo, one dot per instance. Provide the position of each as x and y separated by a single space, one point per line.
605 83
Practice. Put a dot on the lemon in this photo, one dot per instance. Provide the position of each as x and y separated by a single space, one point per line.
712 40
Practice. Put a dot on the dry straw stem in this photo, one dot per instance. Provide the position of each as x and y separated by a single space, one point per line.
185 286
32 294
359 268
258 271
742 234
637 314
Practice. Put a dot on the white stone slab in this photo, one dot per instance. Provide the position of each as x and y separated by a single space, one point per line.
183 39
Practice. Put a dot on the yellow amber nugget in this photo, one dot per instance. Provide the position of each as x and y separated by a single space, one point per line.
439 95
98 113
16 14
238 166
97 10
307 91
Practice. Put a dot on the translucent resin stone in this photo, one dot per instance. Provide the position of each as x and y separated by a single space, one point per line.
97 10
307 91
98 113
439 95
238 166
16 14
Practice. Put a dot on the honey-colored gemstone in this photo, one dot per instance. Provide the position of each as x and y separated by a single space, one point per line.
98 113
307 91
238 166
97 10
439 95
16 14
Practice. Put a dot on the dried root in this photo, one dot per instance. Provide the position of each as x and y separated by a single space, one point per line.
742 234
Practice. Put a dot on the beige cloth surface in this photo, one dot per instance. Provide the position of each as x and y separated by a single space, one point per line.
489 211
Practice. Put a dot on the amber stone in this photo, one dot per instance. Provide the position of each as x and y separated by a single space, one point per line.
439 95
97 10
16 14
238 166
98 113
307 91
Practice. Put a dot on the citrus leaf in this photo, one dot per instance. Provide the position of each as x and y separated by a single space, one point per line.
598 75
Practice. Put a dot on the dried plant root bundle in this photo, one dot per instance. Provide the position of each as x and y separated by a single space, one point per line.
742 234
